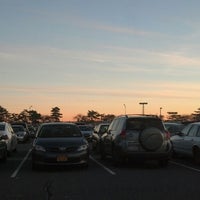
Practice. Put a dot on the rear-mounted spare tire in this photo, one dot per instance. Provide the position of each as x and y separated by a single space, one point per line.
151 139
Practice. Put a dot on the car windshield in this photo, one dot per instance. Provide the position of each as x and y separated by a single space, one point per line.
142 123
2 127
18 128
55 130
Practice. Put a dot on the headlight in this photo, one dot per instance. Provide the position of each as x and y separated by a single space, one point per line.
82 148
39 148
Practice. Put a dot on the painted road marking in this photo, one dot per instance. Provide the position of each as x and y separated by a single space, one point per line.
185 166
104 167
21 164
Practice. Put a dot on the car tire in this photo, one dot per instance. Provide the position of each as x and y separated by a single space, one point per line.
151 139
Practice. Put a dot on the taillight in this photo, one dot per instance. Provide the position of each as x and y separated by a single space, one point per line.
123 134
167 133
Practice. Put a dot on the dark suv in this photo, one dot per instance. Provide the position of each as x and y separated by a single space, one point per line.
136 137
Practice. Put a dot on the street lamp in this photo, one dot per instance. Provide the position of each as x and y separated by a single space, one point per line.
125 109
143 103
160 112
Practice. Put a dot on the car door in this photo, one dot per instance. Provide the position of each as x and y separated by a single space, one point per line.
13 137
189 140
108 139
178 141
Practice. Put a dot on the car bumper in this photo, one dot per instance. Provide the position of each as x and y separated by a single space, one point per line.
146 155
62 159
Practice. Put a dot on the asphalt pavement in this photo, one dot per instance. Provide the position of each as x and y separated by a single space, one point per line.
100 181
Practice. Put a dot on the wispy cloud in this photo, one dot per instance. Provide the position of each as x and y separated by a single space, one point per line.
161 90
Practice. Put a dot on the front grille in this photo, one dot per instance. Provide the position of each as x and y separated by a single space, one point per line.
61 149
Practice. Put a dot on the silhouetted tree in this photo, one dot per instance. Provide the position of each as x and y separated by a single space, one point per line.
55 114
4 114
93 115
34 116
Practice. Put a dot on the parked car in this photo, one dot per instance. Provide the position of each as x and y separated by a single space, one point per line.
3 150
21 133
87 131
187 142
136 137
24 124
59 144
7 134
99 130
173 128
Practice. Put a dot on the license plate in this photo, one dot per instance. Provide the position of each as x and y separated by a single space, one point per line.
62 158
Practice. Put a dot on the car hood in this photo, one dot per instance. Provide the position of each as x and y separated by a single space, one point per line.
59 142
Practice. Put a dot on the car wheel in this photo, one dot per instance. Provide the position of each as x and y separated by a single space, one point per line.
196 155
151 139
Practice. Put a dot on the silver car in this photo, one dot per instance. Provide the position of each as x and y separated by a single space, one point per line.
21 133
7 134
131 137
187 142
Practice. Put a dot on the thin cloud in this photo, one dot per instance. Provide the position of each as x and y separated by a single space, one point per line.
158 90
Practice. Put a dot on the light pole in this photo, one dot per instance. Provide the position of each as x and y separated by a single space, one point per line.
143 103
160 112
125 109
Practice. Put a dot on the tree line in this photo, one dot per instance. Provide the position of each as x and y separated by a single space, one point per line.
33 117
30 116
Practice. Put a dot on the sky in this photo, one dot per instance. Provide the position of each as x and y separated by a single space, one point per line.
107 56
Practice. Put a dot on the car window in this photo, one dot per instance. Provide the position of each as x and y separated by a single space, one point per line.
18 128
113 124
198 132
103 128
186 129
59 131
2 127
143 123
192 132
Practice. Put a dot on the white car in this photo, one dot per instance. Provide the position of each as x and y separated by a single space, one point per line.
7 134
187 142
21 132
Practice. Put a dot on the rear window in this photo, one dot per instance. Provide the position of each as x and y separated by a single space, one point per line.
18 128
58 130
143 123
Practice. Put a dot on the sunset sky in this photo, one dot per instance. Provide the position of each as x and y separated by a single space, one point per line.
101 55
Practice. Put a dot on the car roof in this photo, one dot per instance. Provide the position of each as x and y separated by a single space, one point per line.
58 123
139 116
197 123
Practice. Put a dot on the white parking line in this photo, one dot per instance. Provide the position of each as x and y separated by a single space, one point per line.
185 166
101 165
21 164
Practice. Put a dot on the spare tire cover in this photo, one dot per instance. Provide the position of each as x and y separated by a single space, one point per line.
151 139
